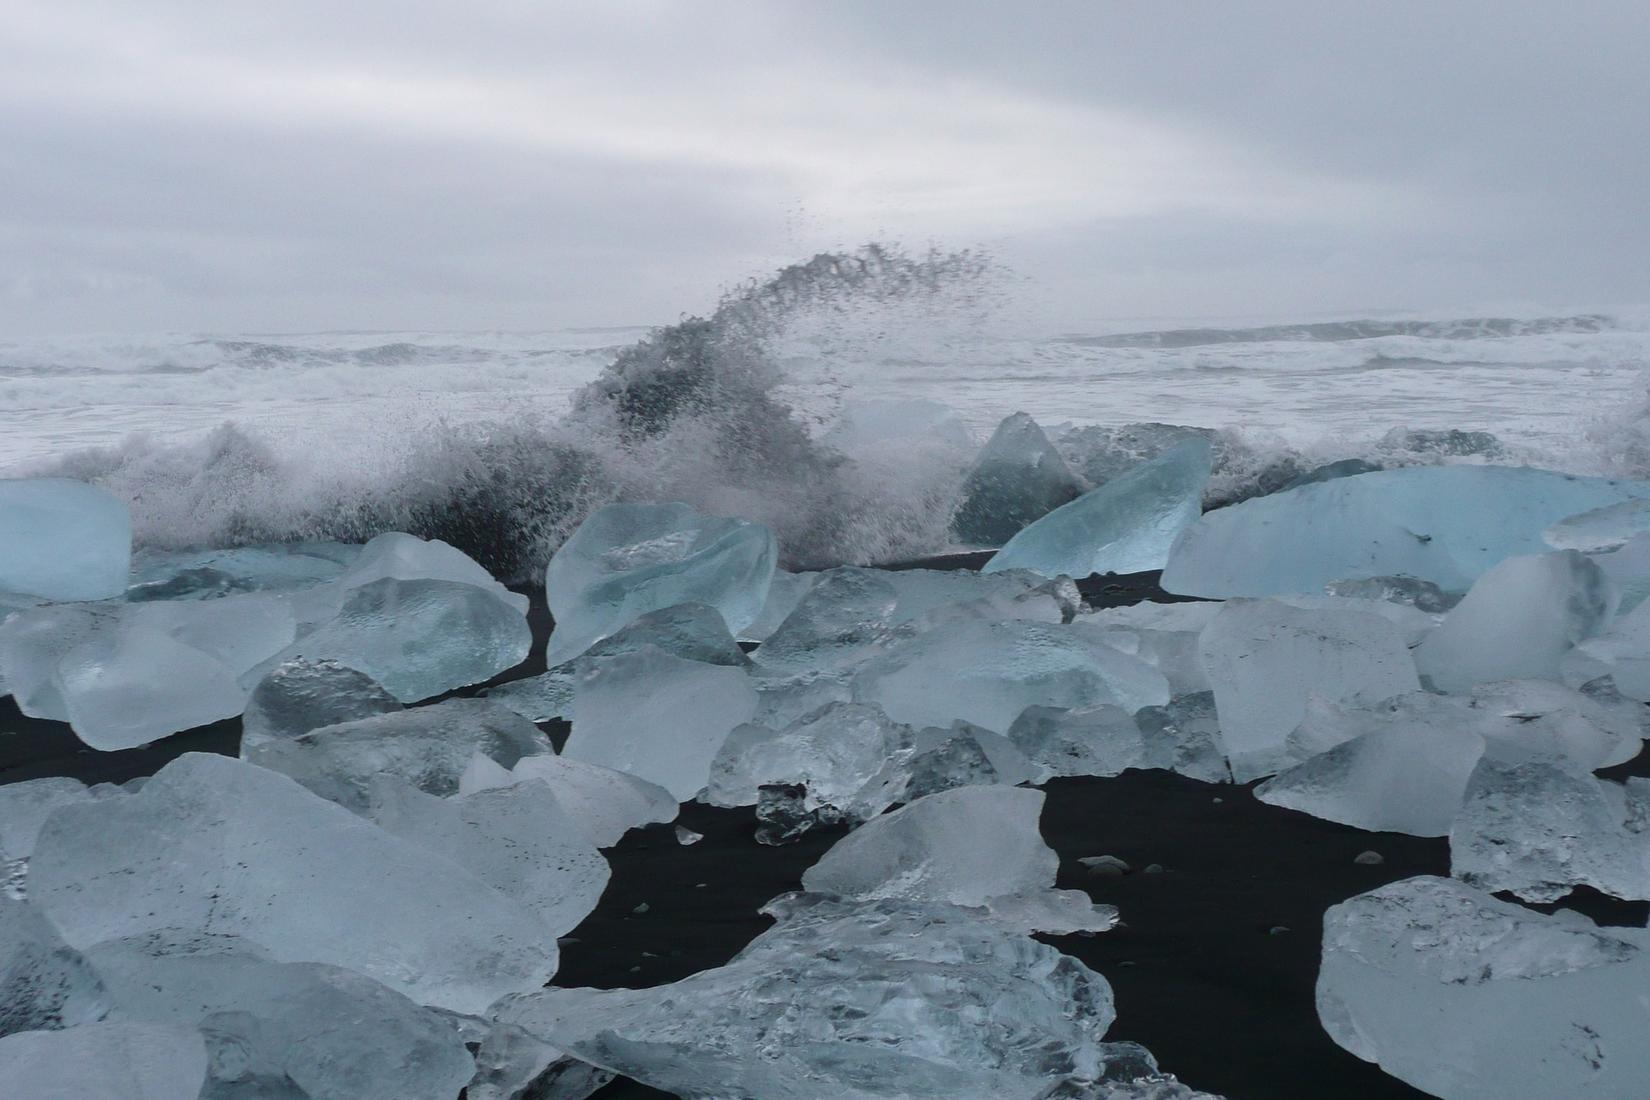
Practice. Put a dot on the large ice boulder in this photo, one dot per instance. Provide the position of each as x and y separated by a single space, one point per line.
115 1060
659 717
975 847
846 1001
987 672
1019 477
63 540
216 846
1518 621
1266 660
44 983
1444 524
628 559
1470 998
428 747
1125 526
285 1029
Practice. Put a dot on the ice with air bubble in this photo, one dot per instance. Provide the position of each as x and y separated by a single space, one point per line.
1471 998
1018 478
215 846
44 983
1125 526
977 847
63 540
837 752
628 559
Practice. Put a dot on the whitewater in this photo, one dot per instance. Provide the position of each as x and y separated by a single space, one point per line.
838 402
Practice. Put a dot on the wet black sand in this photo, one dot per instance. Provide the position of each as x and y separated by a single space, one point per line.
1213 965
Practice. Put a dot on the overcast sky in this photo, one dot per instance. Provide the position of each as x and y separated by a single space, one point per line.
387 164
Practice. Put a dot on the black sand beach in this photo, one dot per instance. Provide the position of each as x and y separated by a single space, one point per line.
1213 965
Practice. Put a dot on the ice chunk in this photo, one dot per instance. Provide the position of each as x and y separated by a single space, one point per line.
1402 777
1596 728
403 557
1444 524
1265 659
784 593
429 747
1406 591
1606 528
836 752
214 845
419 638
1471 998
1102 452
920 593
44 983
845 618
658 717
1019 477
1519 620
1184 737
34 640
628 559
280 1029
603 803
132 685
870 1001
962 755
208 574
1125 526
23 809
1540 826
1629 570
693 631
1100 740
987 672
1415 625
63 540
1623 652
302 695
976 847
108 1061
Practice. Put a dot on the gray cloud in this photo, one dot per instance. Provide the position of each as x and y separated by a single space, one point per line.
378 165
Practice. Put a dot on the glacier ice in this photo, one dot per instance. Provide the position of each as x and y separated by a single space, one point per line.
987 672
1471 998
839 752
843 619
23 810
785 591
541 698
430 747
63 540
114 1060
869 1001
1183 736
208 574
213 845
1540 825
1102 452
1518 621
603 803
418 638
1265 659
1414 625
1017 478
1164 636
1607 528
1098 740
658 717
1622 652
44 983
517 839
1125 526
302 695
285 1029
1407 591
1443 524
628 559
397 555
34 640
974 847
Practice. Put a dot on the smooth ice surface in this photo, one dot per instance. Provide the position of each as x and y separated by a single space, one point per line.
419 638
44 983
976 847
658 717
1125 526
404 557
1539 827
840 1001
134 685
1444 524
517 839
1606 528
603 803
428 747
1100 740
121 1060
1265 659
34 640
1019 477
214 845
1470 998
987 672
628 559
63 540
273 1027
1518 621
1402 777
302 695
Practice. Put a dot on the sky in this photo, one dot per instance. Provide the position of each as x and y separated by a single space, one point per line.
522 164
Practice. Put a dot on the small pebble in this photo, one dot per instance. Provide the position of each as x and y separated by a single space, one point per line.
686 836
1219 800
1278 930
635 970
642 908
700 885
1105 866
1369 859
1154 868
